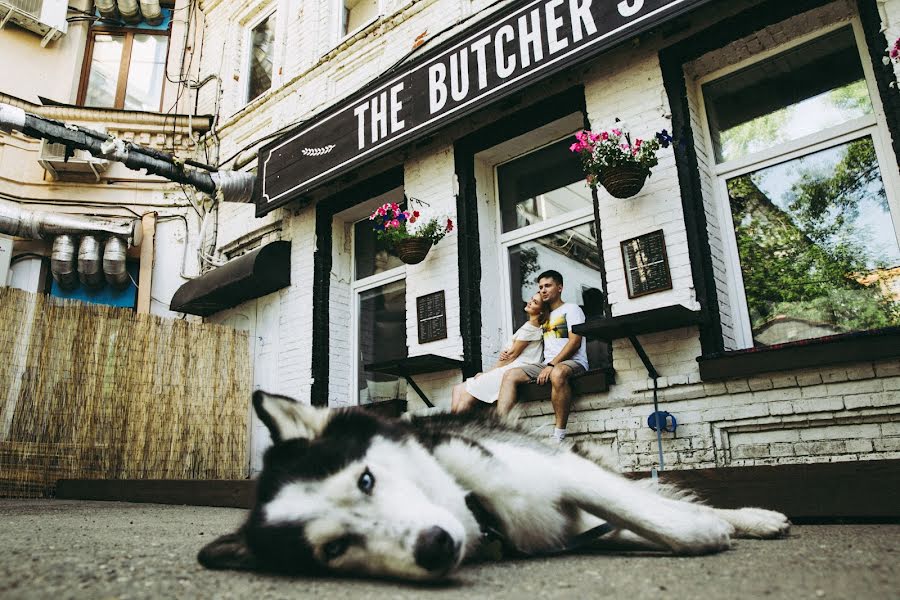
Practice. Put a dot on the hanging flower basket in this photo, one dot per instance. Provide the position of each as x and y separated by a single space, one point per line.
615 161
407 232
623 181
412 250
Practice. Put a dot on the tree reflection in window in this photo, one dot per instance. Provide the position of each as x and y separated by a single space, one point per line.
818 250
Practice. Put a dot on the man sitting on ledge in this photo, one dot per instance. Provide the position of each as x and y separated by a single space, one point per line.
564 355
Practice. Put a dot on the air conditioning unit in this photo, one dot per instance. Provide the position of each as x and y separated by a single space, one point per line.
44 17
80 163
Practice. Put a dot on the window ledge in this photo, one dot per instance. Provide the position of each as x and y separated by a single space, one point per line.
819 352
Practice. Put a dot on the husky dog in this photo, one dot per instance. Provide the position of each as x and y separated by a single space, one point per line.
349 492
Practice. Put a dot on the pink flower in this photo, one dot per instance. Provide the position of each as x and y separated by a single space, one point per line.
637 143
395 223
624 147
604 136
395 207
617 132
575 147
380 211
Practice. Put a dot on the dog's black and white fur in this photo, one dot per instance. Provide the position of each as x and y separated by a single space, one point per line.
347 491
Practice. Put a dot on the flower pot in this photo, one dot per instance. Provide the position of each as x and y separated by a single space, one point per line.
623 181
412 250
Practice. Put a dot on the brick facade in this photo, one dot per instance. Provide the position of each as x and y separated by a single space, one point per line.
841 413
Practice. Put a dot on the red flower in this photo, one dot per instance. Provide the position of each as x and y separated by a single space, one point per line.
449 225
416 214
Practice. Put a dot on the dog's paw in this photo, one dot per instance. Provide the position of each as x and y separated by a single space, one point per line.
760 523
702 534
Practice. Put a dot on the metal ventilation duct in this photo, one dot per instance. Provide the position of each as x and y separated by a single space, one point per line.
114 263
107 9
130 11
90 268
62 262
151 11
41 225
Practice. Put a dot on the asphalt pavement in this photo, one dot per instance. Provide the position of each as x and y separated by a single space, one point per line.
61 549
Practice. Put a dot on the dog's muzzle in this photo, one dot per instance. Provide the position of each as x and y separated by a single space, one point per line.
436 551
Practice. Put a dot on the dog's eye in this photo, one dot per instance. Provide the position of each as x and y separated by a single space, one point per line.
335 548
366 482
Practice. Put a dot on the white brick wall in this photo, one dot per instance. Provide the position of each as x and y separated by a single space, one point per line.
842 413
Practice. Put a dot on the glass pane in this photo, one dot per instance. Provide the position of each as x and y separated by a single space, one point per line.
146 72
572 252
818 249
357 13
372 256
382 337
541 185
809 88
262 47
106 58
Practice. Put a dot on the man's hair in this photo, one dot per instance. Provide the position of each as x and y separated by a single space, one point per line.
551 274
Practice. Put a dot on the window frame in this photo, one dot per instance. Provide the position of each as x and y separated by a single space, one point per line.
248 28
364 284
872 125
124 63
575 218
340 36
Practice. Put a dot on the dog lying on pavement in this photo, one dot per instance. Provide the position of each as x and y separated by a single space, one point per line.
349 492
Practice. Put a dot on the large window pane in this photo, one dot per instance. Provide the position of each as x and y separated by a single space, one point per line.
106 60
809 88
262 47
146 72
541 185
382 337
817 245
572 252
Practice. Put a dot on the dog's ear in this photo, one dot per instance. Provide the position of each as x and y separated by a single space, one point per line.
288 419
228 552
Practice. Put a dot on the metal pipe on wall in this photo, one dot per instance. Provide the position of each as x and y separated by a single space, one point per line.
90 267
130 11
114 263
62 262
107 9
151 11
42 225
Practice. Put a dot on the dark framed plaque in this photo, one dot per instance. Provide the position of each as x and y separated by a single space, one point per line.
646 264
431 311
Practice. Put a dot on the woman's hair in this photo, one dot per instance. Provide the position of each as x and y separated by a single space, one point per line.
545 312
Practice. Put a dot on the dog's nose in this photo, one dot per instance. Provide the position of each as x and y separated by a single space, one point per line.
436 550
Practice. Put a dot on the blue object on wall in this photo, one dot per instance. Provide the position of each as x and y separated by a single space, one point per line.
665 419
126 298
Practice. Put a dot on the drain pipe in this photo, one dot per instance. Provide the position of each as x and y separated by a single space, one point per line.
228 186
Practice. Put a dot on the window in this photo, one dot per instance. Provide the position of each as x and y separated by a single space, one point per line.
378 293
125 67
353 15
261 57
546 220
807 186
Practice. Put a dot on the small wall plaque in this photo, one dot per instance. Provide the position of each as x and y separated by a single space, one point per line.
432 314
646 264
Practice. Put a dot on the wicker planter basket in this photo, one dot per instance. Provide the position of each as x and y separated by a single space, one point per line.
623 181
412 250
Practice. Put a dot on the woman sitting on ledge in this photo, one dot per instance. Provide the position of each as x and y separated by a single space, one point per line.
526 346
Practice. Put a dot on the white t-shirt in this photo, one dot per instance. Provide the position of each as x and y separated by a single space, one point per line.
532 353
556 333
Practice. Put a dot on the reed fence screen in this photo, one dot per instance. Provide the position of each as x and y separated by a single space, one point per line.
91 391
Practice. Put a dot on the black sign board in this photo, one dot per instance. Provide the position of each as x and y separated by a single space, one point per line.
646 264
502 54
432 313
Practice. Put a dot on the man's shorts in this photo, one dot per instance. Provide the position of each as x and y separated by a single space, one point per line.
533 370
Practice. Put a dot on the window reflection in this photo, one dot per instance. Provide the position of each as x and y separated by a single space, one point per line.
804 90
262 46
572 252
818 249
382 337
541 185
106 60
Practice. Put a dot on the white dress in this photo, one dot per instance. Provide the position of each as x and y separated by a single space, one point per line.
486 387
